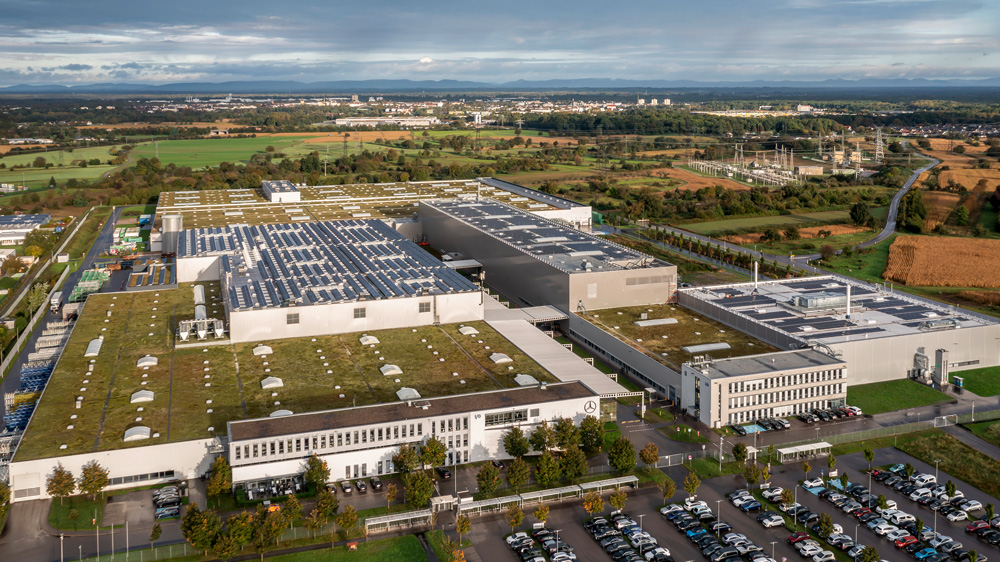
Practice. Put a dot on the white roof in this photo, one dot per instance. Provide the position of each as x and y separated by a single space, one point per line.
142 396
407 393
271 382
706 347
136 433
390 369
94 347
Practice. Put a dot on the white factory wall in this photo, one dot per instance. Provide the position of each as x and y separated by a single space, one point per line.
611 289
338 318
194 269
189 459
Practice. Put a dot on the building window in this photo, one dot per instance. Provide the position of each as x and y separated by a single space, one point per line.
502 418
292 318
425 307
360 313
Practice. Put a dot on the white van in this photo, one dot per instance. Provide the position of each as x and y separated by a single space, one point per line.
924 479
901 517
920 493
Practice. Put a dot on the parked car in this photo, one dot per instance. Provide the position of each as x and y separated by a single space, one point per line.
444 473
813 483
346 487
376 483
797 537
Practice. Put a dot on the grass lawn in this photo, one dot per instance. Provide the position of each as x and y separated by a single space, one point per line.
984 382
400 549
684 433
202 153
707 467
711 227
812 245
888 396
59 513
658 415
611 432
988 431
957 459
866 266
437 541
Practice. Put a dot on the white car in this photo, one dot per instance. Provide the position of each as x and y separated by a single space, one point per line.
958 516
809 551
773 521
897 534
884 529
691 502
668 509
732 538
890 505
814 483
516 537
787 506
939 540
772 493
971 505
917 494
562 557
825 556
657 551
806 543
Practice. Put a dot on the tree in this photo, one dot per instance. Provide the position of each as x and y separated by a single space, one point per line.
881 502
313 522
240 526
225 546
667 487
573 463
200 527
60 483
870 457
691 483
419 489
154 534
293 510
909 469
751 472
861 215
593 502
516 443
825 525
317 472
844 480
591 433
740 453
649 454
542 514
347 519
74 514
488 479
547 469
831 461
433 452
406 459
541 438
918 525
94 479
518 473
989 511
463 524
617 499
566 434
827 251
806 467
328 504
514 516
391 491
622 454
221 481
787 497
962 216
267 528
949 488
869 554
37 296
11 264
456 555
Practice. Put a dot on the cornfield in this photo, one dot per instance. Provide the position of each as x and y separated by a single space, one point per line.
944 262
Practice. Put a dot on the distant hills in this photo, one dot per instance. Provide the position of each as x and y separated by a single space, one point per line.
278 87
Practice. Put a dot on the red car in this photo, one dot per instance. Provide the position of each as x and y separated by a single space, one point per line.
857 513
905 541
796 537
976 525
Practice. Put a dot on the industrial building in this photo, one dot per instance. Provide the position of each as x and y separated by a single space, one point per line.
359 442
318 278
14 228
536 261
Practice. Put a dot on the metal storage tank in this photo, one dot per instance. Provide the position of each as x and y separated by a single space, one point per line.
172 226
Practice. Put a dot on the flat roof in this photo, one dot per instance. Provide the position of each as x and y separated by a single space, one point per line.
397 200
18 222
767 363
566 248
279 186
875 311
261 428
303 264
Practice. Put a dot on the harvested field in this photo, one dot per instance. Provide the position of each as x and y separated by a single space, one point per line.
944 262
939 204
4 149
197 124
969 178
695 182
807 232
981 297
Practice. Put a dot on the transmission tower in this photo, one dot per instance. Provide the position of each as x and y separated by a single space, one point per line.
879 146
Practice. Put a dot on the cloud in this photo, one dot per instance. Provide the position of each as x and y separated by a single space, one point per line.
426 60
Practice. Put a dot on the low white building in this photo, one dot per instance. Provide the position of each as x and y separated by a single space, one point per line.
359 442
281 191
15 228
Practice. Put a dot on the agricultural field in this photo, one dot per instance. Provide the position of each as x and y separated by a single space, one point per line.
944 262
713 227
204 153
940 205
63 168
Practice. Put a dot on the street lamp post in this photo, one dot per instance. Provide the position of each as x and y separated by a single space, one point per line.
61 537
640 521
772 548
936 462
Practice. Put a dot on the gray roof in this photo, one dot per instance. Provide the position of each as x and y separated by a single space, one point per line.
22 222
566 248
279 186
319 263
765 363
262 428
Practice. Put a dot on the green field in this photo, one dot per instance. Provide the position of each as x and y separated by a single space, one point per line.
39 177
984 382
865 266
203 153
889 396
988 431
400 549
712 227
957 459
806 246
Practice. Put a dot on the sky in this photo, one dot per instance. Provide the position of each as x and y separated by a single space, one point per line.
86 42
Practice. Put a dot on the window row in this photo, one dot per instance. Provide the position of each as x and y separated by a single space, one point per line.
739 387
786 395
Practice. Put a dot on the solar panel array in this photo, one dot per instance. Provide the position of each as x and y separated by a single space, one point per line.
319 263
558 245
